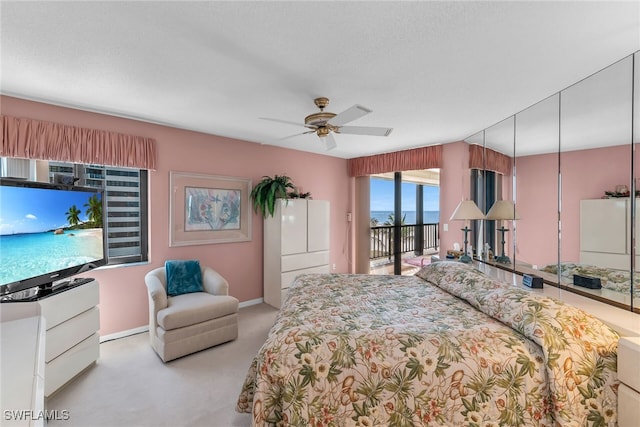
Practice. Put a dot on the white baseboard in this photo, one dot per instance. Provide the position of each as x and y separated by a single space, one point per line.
142 329
123 334
251 302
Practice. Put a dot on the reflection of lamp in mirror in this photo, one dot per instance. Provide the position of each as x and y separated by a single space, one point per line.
466 210
503 210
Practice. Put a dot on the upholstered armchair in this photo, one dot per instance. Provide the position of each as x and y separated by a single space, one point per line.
189 322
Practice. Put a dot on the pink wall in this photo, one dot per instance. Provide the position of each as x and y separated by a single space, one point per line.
123 296
454 187
537 205
586 174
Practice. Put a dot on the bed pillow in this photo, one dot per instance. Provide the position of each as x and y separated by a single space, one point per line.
183 277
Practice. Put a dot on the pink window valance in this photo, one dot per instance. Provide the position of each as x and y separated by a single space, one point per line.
42 140
414 159
488 159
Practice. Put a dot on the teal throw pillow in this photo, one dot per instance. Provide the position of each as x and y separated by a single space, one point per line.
183 277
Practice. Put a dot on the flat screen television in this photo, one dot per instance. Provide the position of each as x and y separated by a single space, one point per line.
48 233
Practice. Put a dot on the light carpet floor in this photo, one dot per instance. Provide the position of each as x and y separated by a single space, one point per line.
130 386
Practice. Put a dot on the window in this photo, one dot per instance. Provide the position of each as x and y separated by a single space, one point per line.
125 206
486 188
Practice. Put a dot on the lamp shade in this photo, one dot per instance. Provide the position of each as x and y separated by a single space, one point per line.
503 209
467 209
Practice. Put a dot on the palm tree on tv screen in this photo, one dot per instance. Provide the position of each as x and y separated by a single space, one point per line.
94 210
73 215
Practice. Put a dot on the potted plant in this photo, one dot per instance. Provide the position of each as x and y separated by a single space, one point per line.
265 193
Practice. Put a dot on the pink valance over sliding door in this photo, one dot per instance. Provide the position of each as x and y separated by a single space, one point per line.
488 159
414 159
36 139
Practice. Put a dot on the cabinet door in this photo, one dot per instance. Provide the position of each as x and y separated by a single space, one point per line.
603 226
293 226
318 230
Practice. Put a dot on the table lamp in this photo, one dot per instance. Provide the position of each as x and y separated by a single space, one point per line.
466 210
503 210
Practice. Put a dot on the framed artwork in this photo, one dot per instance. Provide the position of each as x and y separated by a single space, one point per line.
207 209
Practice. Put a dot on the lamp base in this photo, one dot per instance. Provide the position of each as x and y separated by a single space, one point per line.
503 259
465 258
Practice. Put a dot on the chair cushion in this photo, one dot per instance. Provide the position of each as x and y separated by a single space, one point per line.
183 277
192 308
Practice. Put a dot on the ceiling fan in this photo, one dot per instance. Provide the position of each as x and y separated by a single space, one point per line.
324 123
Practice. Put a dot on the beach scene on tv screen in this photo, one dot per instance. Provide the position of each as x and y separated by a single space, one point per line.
44 230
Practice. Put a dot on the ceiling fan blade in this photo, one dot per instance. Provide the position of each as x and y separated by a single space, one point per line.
284 121
294 135
349 114
329 141
365 130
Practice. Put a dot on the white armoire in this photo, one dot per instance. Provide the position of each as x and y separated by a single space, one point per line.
605 233
296 241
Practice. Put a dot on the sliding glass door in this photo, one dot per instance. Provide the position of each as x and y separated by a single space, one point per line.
404 212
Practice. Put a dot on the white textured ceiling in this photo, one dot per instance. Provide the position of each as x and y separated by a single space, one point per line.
435 72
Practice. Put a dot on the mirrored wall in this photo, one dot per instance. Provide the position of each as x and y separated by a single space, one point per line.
575 168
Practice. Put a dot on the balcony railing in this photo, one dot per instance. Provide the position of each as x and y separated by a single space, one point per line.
413 238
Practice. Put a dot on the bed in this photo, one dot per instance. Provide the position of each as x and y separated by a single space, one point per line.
449 346
610 278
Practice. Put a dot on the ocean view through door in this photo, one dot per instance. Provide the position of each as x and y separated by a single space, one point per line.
404 216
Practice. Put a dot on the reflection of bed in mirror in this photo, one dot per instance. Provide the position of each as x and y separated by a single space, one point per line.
605 248
610 278
615 283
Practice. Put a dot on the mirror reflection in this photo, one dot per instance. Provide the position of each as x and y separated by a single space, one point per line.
635 183
595 171
571 187
536 154
497 201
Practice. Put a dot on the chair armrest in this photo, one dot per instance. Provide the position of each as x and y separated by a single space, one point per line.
157 292
213 282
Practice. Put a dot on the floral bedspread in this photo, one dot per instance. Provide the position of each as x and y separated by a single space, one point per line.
361 350
615 280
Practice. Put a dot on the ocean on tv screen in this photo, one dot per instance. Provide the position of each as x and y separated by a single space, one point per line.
32 254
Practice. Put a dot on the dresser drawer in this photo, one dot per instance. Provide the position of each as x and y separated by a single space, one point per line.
306 260
288 277
67 334
65 305
628 406
628 366
70 363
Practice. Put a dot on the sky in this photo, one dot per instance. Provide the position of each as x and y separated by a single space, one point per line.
382 196
35 210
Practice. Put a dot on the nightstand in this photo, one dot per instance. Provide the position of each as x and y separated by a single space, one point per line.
629 376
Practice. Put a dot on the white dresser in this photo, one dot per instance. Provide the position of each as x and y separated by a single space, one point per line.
296 241
605 233
629 376
72 341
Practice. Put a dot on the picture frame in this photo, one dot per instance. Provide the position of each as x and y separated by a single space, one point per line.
208 209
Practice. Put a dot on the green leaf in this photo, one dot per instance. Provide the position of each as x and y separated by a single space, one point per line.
267 191
308 376
528 366
415 368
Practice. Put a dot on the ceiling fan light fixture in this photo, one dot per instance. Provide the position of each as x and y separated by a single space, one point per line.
322 131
